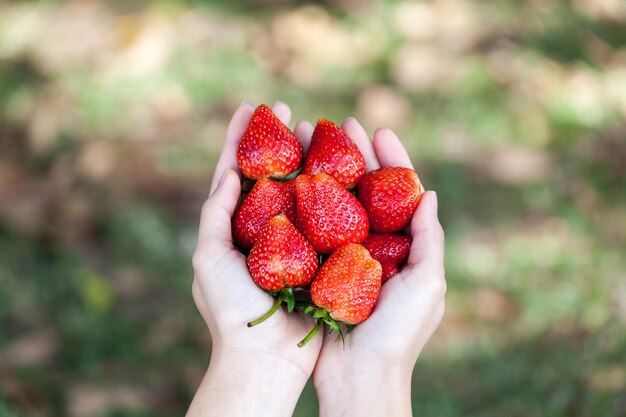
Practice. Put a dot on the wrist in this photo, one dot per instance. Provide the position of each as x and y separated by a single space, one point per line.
365 393
240 383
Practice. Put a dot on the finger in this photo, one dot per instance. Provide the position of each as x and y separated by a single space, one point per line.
304 131
356 132
427 249
215 224
282 111
389 150
236 128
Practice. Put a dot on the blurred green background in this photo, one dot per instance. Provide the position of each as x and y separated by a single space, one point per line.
111 120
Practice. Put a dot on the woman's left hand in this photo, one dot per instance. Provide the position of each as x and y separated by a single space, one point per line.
257 371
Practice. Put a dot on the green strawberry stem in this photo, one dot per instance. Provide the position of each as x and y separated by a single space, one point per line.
289 177
268 314
311 334
301 305
322 316
285 295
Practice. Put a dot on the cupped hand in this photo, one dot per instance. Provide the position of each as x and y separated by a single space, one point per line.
228 299
372 370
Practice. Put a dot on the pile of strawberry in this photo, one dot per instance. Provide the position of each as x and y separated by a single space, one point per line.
321 234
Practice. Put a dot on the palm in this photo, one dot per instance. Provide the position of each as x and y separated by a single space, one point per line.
383 336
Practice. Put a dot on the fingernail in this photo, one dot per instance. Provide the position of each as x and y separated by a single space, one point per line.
380 129
221 181
350 119
245 102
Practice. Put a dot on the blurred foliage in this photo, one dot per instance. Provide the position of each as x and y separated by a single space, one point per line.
111 120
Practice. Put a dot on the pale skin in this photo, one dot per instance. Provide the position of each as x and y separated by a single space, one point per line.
260 371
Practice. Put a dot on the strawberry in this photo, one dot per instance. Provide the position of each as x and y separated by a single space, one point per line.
268 148
279 260
327 214
345 289
333 152
390 250
390 196
266 199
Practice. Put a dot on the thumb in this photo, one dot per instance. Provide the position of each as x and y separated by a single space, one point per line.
217 211
428 239
424 273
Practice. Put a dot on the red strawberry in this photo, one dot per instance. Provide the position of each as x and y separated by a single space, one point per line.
390 250
279 260
268 148
333 152
390 196
327 214
345 289
267 199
